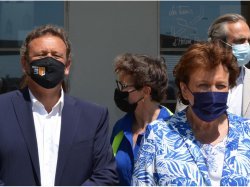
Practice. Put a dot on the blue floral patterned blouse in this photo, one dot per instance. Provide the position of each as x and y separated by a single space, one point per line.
170 155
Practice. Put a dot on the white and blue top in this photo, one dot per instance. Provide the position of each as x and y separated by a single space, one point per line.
170 155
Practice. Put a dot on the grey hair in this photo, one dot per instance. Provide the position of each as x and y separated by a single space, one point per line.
217 29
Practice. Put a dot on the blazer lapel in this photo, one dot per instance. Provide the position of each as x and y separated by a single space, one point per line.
70 116
246 94
23 110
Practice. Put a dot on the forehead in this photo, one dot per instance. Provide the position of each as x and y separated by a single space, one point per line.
47 42
124 77
220 73
236 30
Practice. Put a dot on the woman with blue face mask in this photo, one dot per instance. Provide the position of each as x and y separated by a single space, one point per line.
203 144
233 31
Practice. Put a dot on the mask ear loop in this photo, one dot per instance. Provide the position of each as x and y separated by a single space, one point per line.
138 99
189 90
191 93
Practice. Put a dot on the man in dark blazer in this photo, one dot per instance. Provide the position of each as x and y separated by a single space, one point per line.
46 136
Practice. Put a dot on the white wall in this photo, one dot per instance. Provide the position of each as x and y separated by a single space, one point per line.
99 31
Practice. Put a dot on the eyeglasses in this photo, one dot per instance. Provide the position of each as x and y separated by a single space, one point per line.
225 43
122 86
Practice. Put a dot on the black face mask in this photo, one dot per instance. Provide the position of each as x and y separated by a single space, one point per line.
47 72
121 101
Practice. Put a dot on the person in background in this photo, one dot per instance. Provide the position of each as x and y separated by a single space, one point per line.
234 32
46 136
141 87
203 145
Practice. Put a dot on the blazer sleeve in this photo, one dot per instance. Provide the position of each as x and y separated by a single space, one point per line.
104 167
1 183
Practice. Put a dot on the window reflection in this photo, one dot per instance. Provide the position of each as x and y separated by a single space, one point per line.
17 19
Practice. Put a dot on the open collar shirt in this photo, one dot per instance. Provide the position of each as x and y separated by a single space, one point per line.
48 128
127 154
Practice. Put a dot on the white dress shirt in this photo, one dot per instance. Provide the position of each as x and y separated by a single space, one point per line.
48 128
235 95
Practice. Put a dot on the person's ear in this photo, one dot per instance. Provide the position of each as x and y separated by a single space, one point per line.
184 90
24 64
67 67
147 91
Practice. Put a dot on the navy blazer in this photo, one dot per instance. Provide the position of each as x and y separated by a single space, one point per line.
84 157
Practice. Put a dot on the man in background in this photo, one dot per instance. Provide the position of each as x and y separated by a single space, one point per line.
234 32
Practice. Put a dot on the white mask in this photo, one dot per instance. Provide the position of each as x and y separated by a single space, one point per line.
242 53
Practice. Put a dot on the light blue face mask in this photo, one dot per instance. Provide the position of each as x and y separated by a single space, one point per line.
242 53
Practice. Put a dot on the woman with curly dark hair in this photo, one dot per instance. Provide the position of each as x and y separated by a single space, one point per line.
141 87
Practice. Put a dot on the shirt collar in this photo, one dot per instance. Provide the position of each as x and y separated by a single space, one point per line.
37 105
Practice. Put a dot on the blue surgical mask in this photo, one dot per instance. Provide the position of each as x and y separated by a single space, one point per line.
209 106
242 53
